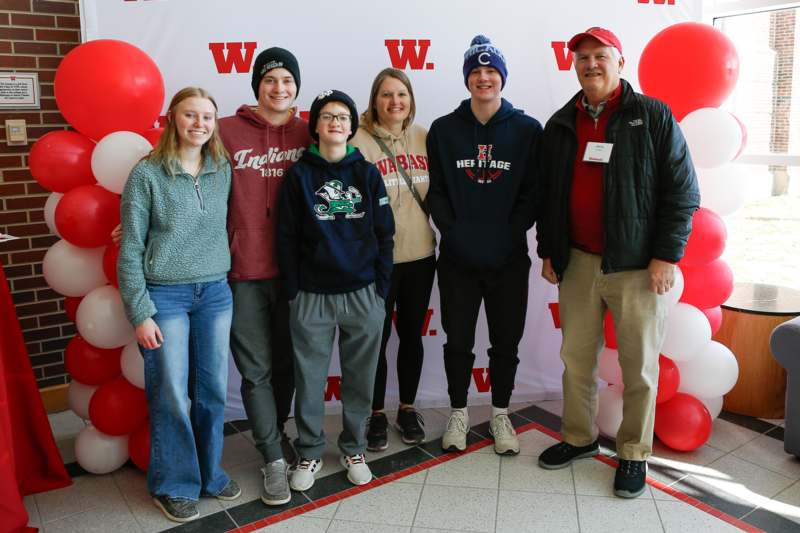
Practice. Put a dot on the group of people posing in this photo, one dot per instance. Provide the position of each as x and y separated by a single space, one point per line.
265 235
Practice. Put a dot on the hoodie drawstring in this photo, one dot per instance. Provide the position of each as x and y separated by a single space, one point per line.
266 176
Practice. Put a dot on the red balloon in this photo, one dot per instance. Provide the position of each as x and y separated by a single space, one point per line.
669 378
89 364
139 446
62 160
683 423
707 240
706 285
110 257
689 65
117 407
86 215
611 335
714 316
71 304
153 135
108 85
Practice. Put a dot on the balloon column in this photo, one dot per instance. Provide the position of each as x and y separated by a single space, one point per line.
112 93
695 372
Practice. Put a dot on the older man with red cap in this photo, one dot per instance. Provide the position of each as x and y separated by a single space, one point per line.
620 191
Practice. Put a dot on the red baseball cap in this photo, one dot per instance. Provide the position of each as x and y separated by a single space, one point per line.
603 35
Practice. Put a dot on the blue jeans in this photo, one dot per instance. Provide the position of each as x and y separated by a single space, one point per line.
186 383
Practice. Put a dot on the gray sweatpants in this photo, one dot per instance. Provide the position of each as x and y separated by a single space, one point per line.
313 319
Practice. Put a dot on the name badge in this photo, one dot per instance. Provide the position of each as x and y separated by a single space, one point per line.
598 152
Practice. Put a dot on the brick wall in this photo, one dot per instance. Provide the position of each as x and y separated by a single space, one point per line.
782 39
34 36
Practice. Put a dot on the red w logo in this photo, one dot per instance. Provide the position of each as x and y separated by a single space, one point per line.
660 2
482 381
234 58
554 311
426 322
408 55
563 55
333 390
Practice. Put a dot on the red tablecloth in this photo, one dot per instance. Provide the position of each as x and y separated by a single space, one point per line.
29 458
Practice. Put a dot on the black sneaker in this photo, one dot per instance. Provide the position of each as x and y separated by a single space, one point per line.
177 509
377 433
230 492
287 448
562 454
629 481
409 423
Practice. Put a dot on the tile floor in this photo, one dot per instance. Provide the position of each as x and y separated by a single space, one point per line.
742 471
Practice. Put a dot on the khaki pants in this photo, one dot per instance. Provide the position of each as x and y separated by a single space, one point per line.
639 319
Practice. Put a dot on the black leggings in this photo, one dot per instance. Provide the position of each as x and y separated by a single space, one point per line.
411 292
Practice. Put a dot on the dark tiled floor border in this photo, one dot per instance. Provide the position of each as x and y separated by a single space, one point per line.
548 419
334 487
753 424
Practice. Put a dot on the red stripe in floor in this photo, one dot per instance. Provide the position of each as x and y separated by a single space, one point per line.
264 522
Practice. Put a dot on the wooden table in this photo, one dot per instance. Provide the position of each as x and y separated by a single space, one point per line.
748 318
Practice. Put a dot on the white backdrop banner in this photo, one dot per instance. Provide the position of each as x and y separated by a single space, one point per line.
342 45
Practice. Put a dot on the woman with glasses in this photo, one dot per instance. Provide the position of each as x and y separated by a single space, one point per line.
335 231
172 268
388 138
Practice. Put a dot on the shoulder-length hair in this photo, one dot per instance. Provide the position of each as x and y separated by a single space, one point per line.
369 118
166 151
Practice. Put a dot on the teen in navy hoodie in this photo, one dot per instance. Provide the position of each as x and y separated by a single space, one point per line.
335 244
482 196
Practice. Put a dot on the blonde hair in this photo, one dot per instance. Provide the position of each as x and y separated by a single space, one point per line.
166 151
369 118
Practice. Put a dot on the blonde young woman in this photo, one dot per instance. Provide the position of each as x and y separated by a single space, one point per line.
172 269
389 138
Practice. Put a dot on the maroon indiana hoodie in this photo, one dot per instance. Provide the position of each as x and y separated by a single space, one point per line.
260 154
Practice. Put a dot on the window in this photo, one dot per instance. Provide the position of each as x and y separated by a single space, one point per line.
764 236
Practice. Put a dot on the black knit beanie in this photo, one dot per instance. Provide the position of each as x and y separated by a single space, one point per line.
331 95
274 58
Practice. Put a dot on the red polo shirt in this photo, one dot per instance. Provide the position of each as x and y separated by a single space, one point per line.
586 197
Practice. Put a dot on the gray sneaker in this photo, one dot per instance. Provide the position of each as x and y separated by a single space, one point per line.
230 492
276 483
177 509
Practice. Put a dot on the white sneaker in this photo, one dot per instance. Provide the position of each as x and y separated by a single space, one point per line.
455 437
357 470
505 437
301 477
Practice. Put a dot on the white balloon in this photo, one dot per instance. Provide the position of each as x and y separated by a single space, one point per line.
99 453
609 410
714 406
713 135
73 271
132 364
723 189
115 156
101 319
78 396
688 332
675 293
50 212
712 373
608 366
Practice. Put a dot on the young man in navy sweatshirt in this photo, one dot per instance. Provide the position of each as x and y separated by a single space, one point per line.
483 176
335 244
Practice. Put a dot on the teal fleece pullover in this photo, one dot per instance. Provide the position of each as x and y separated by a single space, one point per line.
173 231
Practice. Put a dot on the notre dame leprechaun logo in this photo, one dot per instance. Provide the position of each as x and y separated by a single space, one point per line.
338 200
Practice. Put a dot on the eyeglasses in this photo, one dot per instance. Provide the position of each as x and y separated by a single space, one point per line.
344 118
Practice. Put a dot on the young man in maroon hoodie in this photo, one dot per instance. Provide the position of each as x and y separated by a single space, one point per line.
263 141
